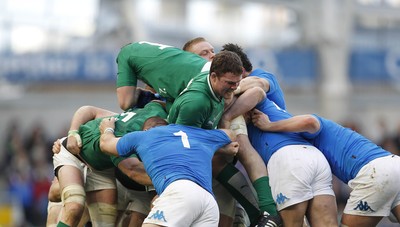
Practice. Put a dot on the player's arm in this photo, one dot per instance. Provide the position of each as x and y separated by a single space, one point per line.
134 169
301 123
87 113
126 79
251 82
231 148
108 141
127 96
81 116
130 96
244 103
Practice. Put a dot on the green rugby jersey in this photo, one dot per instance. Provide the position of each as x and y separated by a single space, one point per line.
129 121
197 106
165 68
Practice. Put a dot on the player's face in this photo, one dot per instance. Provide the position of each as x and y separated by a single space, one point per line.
225 84
203 49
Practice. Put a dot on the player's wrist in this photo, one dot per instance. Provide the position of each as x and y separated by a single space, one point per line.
108 130
75 134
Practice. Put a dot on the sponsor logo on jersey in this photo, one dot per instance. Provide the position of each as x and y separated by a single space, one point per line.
162 91
363 206
210 124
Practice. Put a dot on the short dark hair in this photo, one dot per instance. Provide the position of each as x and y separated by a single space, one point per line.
192 42
226 62
152 122
239 51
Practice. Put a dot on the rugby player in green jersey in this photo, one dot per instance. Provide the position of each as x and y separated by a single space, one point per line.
201 47
202 102
100 181
194 108
165 68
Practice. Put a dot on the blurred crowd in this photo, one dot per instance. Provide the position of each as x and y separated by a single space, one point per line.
27 169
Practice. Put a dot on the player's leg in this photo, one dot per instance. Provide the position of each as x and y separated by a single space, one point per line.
54 194
133 206
241 217
69 171
55 207
396 214
322 211
72 194
236 184
226 204
101 198
293 216
257 172
53 210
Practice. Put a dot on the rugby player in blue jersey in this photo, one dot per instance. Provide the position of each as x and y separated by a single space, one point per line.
371 172
178 161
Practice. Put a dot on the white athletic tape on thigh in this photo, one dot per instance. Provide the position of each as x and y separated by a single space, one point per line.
238 126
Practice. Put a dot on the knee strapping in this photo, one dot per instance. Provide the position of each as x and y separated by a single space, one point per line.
73 194
238 126
103 214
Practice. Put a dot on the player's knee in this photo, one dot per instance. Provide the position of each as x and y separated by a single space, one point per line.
238 126
73 197
103 214
54 195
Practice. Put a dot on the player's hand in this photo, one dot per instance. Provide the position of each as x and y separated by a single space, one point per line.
74 142
259 119
230 149
56 147
106 124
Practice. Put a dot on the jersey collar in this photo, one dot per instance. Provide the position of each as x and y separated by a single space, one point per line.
211 90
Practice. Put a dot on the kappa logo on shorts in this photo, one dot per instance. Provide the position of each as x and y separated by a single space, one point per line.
363 206
280 198
158 215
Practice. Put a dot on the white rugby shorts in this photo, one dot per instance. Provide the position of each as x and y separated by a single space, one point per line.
298 173
376 188
94 180
184 203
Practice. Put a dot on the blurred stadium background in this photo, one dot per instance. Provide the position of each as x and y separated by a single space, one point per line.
337 58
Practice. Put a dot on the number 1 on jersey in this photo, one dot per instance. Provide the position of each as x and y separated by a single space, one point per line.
184 138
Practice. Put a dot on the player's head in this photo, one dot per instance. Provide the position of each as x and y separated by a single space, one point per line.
225 73
152 122
201 47
248 67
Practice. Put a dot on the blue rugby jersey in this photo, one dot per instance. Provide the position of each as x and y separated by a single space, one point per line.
174 152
